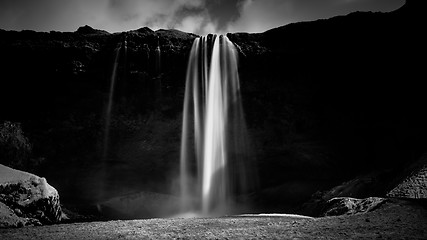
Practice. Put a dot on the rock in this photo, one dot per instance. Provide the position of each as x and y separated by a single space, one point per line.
414 184
8 218
89 30
346 205
363 186
17 212
144 30
30 196
408 182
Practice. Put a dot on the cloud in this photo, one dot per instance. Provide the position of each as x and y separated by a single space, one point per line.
46 15
224 12
262 15
191 24
259 16
186 15
198 16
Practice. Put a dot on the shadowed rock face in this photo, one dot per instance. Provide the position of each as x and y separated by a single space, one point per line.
339 97
414 184
355 195
324 101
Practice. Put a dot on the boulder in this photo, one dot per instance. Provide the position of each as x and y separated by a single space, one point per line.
27 198
347 205
360 187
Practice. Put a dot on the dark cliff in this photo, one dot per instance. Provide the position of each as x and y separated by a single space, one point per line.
324 101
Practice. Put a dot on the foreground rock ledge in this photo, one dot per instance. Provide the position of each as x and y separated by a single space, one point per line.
26 199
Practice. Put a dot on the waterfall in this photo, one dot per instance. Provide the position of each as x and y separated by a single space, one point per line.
214 161
110 101
158 58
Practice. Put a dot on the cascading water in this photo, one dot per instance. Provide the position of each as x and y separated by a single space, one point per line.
107 123
215 160
110 97
158 57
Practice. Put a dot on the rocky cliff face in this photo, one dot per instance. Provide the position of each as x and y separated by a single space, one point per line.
324 101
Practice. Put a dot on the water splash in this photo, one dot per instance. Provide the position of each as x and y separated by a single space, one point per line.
215 161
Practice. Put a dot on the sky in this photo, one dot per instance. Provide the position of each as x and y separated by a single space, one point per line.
197 16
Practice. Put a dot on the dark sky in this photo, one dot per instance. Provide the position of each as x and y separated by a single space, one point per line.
198 16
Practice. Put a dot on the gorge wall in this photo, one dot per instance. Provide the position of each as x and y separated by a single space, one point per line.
324 101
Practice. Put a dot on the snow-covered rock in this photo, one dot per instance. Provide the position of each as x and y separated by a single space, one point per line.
28 197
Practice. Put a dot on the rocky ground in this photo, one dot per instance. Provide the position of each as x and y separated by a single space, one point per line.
327 102
395 219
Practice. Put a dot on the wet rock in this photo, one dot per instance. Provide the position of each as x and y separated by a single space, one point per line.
249 45
78 67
